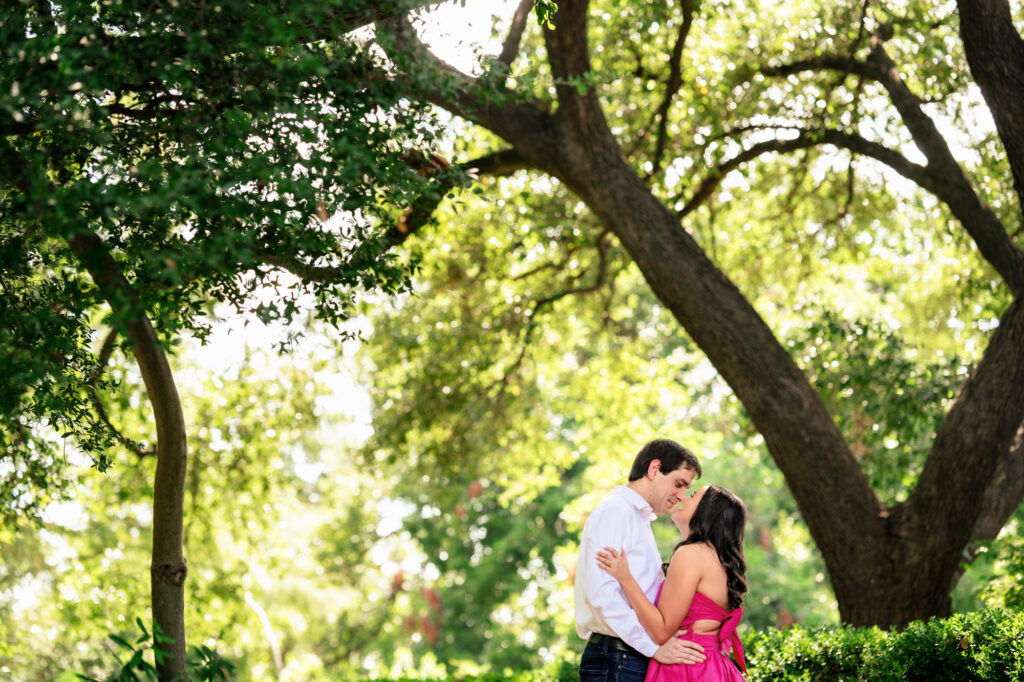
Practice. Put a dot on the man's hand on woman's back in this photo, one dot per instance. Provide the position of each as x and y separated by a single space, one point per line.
677 650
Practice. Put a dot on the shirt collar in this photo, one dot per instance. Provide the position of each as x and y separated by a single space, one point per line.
635 499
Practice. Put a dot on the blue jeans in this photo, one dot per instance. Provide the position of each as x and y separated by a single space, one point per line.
605 664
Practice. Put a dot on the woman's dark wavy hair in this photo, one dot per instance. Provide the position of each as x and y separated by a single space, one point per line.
719 519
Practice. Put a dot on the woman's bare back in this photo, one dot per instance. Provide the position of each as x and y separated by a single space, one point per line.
714 585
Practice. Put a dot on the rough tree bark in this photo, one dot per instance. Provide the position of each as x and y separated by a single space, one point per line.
888 566
995 53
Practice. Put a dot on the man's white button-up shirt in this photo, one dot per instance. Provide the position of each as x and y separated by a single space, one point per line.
621 521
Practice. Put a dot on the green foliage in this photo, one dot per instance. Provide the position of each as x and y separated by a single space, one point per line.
510 391
519 362
985 645
347 588
493 562
816 225
885 400
1008 585
532 340
203 664
996 574
545 11
256 423
211 150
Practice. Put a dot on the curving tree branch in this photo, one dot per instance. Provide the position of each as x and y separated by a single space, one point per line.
510 48
569 57
600 279
497 164
675 81
995 53
106 350
983 426
1002 496
805 140
846 64
476 100
944 178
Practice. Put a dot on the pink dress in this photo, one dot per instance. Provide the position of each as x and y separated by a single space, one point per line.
717 667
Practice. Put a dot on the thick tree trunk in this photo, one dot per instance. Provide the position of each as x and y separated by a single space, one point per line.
895 584
887 566
167 569
833 494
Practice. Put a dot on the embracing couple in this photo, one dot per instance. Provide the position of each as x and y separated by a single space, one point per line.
643 622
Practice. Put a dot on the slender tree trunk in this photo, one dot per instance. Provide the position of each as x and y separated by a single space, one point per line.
167 569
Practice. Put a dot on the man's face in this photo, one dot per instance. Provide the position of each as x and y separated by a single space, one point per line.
670 488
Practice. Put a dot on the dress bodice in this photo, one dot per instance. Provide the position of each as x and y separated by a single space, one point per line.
704 608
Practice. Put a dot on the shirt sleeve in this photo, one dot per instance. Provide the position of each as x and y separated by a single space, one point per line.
603 592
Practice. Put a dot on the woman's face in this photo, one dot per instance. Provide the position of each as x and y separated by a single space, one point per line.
681 517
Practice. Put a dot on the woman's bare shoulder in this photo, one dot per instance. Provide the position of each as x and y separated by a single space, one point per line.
696 549
695 552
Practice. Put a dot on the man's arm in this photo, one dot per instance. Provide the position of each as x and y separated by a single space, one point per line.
650 616
603 592
684 575
624 622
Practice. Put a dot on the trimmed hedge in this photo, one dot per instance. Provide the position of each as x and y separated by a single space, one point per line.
984 646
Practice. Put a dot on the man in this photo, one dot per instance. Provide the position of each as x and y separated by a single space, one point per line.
618 648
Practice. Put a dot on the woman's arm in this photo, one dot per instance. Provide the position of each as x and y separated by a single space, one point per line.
684 574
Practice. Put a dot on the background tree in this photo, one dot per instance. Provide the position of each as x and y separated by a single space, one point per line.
721 120
271 483
161 157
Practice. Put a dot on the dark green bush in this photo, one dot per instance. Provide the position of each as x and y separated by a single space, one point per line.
143 650
985 646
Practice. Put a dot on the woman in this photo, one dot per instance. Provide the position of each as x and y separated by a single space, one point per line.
703 589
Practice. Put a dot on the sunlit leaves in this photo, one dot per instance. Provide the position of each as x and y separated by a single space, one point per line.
885 400
545 11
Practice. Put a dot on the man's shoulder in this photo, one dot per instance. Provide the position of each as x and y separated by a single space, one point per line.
613 503
611 507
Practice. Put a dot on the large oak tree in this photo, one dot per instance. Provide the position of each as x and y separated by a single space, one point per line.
847 84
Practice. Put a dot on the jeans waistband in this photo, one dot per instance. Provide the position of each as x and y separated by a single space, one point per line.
612 643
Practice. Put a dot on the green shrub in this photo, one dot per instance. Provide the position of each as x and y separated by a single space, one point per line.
985 646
